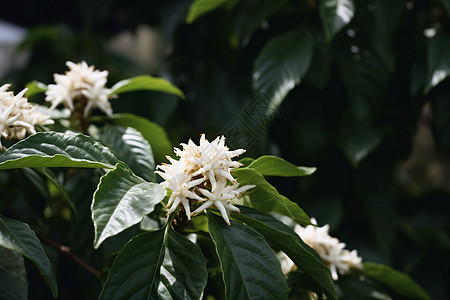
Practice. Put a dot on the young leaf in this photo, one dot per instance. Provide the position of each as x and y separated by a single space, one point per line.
35 87
18 236
265 197
54 149
269 165
131 147
121 200
201 7
284 238
152 132
281 65
335 14
157 265
146 82
13 275
250 268
394 280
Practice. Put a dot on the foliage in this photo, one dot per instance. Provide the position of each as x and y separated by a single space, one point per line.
344 86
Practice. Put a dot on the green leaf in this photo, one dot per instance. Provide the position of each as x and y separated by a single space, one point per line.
357 139
281 65
13 275
18 236
284 238
146 82
201 7
35 87
121 200
438 59
157 265
394 280
51 178
183 271
269 165
152 132
54 149
251 14
335 14
249 266
131 147
264 197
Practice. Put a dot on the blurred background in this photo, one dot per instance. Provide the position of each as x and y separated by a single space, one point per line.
367 103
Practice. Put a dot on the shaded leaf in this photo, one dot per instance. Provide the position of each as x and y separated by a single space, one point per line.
284 238
249 266
438 58
269 165
152 132
335 14
264 197
281 65
51 178
121 200
13 275
54 149
201 7
131 147
146 82
394 280
18 236
35 87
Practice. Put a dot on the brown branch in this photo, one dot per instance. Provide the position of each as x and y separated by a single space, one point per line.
66 250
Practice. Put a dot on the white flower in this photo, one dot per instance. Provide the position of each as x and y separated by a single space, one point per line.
203 173
17 116
81 86
332 252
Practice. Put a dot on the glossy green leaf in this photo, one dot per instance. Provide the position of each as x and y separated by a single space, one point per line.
157 265
269 165
54 149
249 266
13 275
199 8
264 197
395 281
183 272
284 238
35 87
131 147
438 58
18 236
281 65
152 132
146 82
121 200
335 14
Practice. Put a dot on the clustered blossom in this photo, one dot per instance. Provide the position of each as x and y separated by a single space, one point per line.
332 252
17 116
81 86
203 174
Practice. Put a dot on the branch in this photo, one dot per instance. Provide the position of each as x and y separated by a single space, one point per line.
66 250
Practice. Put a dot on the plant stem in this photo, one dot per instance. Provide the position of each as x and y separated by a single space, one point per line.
66 250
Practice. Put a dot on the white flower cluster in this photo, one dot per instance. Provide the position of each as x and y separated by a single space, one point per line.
81 86
332 252
17 116
203 174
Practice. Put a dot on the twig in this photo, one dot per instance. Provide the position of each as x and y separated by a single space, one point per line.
66 250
